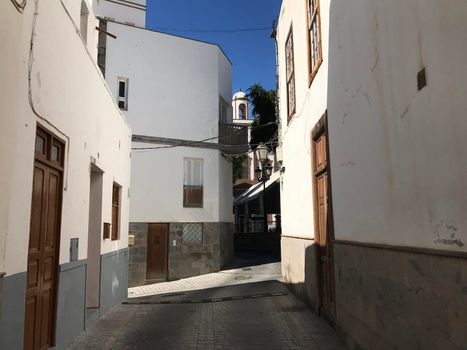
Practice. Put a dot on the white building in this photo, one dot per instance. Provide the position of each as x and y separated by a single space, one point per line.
372 104
129 12
241 116
174 92
65 155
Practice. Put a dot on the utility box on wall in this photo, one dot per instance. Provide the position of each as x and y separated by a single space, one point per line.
74 245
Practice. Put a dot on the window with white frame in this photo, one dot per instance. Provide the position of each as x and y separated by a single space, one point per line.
122 93
222 111
193 183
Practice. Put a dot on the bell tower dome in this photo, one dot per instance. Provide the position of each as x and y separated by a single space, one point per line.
240 106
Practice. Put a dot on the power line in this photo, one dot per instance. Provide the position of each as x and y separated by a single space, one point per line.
201 141
234 30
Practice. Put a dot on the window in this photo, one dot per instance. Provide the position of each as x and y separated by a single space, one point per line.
115 212
314 38
290 75
192 233
242 112
84 21
122 96
193 183
223 108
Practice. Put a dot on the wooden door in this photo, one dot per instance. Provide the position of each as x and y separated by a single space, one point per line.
157 252
44 239
323 219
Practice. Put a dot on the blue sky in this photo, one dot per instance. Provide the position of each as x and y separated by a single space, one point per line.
252 53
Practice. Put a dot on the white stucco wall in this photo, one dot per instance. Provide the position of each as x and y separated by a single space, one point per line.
174 89
70 94
122 11
296 182
157 185
398 156
173 82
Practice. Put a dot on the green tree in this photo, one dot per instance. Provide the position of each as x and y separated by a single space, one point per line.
237 167
264 113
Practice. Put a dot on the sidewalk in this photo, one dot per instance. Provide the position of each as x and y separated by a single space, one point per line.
250 274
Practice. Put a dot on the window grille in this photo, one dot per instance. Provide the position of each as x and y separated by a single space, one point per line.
192 233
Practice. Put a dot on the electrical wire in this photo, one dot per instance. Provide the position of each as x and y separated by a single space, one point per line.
19 5
236 30
200 141
30 92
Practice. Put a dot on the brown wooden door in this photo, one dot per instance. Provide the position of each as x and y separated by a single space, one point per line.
323 220
157 252
44 241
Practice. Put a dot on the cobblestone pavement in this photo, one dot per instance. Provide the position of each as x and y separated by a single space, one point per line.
255 315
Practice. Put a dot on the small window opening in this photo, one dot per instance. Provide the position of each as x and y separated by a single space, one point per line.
122 96
84 21
421 79
115 232
242 112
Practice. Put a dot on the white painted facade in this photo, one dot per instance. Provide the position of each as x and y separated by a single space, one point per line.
131 12
296 194
397 154
66 95
174 88
240 99
87 119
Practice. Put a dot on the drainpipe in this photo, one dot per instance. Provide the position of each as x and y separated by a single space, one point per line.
277 157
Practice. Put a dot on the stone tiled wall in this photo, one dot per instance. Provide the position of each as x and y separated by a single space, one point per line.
226 234
187 260
1 291
390 299
138 255
299 268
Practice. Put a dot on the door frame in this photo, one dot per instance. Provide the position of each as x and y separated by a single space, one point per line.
320 128
95 171
59 166
167 249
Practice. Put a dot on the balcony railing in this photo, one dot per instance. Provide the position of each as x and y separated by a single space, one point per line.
233 138
256 226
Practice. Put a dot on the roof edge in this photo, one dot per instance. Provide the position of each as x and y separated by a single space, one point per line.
169 34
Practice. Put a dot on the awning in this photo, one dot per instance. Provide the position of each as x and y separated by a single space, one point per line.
254 191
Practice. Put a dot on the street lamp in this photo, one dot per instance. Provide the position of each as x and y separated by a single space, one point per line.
263 174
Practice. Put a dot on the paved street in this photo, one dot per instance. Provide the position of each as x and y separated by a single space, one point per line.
241 308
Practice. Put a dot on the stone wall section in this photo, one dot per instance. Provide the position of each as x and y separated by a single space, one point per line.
227 247
138 255
184 259
392 299
189 259
299 268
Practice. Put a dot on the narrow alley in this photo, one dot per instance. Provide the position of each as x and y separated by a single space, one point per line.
280 174
244 307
